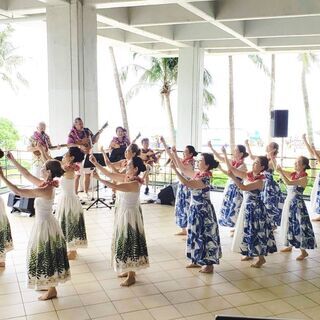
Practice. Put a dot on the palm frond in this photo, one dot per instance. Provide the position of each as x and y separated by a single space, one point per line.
258 61
207 78
208 98
133 91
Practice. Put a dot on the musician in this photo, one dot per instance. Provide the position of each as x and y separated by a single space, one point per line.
118 145
78 134
39 138
149 158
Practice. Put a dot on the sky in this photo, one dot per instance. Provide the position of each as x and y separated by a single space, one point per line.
145 113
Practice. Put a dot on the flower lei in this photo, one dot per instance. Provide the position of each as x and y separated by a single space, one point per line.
51 183
138 179
200 175
237 163
253 178
296 175
72 166
189 160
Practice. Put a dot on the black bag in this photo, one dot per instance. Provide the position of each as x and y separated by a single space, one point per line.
166 195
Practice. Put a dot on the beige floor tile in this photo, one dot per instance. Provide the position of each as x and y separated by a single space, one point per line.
303 287
233 275
67 302
120 294
44 316
255 309
178 296
165 313
167 286
313 313
71 314
38 307
295 315
12 311
238 299
226 288
204 316
314 296
128 305
300 302
144 290
283 291
141 315
10 299
89 287
246 284
113 317
94 298
190 308
215 303
203 292
268 281
278 306
228 312
7 288
82 278
101 310
261 295
153 301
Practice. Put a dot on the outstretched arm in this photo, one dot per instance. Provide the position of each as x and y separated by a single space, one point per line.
288 181
186 169
192 184
25 173
237 172
258 184
253 157
309 147
216 154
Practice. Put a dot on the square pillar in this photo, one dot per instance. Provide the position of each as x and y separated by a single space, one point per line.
190 96
72 67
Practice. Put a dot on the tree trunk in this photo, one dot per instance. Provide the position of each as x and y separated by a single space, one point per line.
231 106
308 114
272 91
119 90
167 104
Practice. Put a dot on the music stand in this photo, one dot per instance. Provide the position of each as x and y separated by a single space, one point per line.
88 164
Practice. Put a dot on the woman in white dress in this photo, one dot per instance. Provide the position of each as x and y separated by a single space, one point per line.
47 261
69 211
129 248
5 234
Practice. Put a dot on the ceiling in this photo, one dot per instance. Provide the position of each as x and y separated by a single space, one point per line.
219 26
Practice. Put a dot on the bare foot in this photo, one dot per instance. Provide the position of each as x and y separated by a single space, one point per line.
317 218
72 255
259 263
183 232
246 258
50 294
286 249
123 275
192 265
2 264
130 280
302 256
206 269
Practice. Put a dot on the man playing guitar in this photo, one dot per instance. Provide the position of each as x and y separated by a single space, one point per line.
39 138
77 135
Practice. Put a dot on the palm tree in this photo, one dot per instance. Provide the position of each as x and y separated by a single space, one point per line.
231 105
119 90
163 73
307 59
9 61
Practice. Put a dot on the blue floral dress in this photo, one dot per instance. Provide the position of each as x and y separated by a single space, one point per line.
231 202
203 244
183 199
273 198
253 235
296 227
315 195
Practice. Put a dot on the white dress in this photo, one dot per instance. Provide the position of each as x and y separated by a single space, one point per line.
69 213
129 248
5 232
47 260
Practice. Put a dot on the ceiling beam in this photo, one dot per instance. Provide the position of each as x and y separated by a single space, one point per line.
222 44
139 31
227 10
283 27
312 41
205 10
230 51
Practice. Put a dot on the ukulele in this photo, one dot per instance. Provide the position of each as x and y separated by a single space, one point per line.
37 153
86 143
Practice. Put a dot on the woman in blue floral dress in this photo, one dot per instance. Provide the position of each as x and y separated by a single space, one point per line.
233 196
296 227
183 197
315 193
203 244
272 196
253 235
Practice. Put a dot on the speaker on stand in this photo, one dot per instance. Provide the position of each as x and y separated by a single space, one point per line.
279 126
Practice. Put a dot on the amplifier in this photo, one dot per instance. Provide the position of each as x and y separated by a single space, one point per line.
21 204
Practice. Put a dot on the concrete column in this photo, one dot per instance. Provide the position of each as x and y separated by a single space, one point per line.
190 96
72 67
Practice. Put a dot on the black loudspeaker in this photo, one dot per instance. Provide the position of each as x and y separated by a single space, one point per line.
166 195
21 204
279 123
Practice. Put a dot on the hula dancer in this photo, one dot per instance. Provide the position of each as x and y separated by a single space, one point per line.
254 234
296 227
129 248
47 260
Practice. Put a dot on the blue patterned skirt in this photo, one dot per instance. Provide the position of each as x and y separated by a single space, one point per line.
254 236
315 196
296 227
273 199
203 244
230 205
182 205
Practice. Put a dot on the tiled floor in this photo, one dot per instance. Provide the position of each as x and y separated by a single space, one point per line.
283 288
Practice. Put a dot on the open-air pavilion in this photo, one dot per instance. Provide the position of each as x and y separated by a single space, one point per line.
284 288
